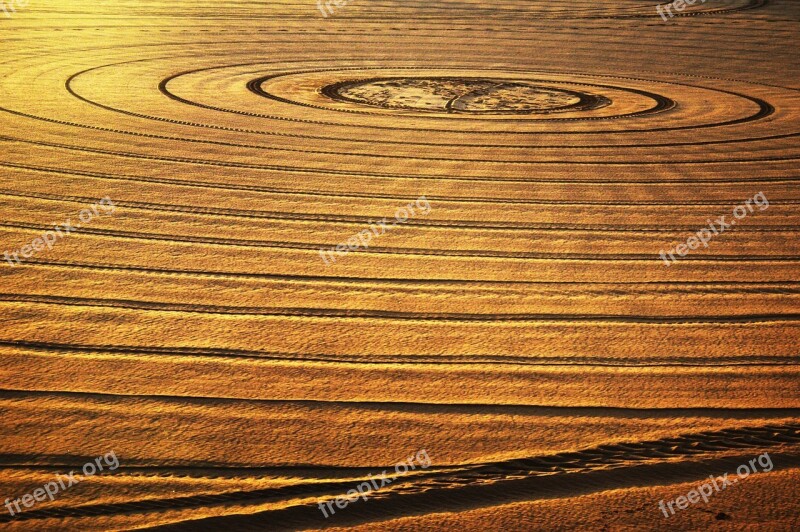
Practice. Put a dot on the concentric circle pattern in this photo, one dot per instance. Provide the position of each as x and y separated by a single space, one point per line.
520 325
450 92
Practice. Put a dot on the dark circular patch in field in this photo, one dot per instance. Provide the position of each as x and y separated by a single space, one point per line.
462 95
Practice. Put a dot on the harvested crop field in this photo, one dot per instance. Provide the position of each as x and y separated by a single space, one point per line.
399 265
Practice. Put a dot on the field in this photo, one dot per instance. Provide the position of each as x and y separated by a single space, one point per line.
261 252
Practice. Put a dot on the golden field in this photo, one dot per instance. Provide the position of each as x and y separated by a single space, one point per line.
521 329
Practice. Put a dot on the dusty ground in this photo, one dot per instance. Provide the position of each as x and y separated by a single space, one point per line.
519 327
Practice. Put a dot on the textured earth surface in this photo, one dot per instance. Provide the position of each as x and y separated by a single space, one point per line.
465 95
521 329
